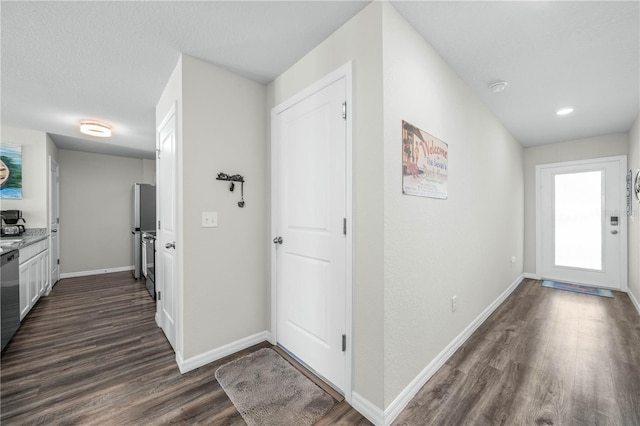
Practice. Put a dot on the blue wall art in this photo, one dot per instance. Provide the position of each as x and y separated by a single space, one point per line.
11 171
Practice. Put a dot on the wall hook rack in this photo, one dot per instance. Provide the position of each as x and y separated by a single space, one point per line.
233 179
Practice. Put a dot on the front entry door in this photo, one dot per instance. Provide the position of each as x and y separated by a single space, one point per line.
309 175
166 253
583 222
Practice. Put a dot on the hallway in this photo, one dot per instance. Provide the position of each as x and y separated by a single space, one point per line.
91 353
545 357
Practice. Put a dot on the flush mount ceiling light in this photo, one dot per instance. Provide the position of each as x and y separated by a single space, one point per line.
498 86
564 110
95 128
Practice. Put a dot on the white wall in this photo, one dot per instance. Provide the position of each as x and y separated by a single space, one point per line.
634 221
435 249
581 149
148 171
358 40
52 149
96 210
35 171
223 277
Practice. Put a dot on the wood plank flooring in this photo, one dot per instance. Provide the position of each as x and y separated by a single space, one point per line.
91 354
545 357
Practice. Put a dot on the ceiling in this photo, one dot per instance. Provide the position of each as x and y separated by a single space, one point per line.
62 62
552 54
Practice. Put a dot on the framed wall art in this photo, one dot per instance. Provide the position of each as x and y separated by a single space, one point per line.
425 163
11 171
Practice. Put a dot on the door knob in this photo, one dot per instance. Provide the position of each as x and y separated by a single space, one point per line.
170 245
614 231
277 240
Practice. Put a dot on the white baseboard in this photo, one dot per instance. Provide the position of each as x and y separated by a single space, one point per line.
368 409
186 365
531 276
95 272
401 401
634 301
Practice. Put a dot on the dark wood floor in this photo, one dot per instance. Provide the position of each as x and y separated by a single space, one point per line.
545 357
91 353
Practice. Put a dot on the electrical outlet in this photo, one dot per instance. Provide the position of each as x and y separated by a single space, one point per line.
209 219
454 303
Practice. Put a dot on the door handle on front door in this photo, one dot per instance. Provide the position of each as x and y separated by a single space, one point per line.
170 245
277 240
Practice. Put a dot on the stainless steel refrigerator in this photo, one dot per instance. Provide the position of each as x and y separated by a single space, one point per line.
144 219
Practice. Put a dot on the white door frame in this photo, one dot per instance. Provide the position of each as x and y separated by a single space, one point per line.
344 71
623 209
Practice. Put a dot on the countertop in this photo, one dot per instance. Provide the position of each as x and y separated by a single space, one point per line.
9 243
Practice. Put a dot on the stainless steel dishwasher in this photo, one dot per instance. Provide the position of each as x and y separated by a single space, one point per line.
10 295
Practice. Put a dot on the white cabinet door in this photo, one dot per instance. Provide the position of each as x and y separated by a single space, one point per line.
42 272
34 280
45 285
25 279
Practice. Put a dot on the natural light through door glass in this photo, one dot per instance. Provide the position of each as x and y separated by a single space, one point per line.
578 220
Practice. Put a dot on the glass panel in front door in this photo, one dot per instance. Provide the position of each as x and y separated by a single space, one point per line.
578 220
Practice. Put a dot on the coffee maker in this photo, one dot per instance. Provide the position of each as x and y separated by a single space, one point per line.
10 225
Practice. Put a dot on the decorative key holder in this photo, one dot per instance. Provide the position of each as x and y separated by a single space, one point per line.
233 179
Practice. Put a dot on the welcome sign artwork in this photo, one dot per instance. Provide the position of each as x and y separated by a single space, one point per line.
425 163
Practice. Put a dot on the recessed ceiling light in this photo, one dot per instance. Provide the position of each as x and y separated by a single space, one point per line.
564 111
95 128
498 86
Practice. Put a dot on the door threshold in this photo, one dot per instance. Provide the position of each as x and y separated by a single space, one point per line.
310 375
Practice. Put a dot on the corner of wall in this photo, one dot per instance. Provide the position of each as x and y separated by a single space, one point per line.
223 130
427 240
52 149
359 40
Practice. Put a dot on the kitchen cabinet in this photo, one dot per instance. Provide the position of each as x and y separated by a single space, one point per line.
34 275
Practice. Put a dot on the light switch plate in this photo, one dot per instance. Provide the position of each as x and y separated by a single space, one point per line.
209 219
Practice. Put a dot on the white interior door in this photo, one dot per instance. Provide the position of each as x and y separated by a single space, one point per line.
583 223
54 216
309 178
166 253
